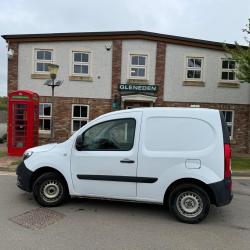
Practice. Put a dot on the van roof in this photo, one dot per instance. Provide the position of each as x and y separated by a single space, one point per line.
151 110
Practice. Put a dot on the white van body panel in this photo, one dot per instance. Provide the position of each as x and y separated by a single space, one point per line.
169 144
174 138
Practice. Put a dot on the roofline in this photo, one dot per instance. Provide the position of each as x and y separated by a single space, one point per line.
113 35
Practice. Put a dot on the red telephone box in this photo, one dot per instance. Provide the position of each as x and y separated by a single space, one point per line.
23 121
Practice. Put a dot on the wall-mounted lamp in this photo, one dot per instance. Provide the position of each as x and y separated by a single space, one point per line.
108 46
10 53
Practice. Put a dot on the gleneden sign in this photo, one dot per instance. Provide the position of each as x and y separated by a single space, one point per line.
138 88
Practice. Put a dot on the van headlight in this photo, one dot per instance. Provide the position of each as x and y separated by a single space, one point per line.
27 155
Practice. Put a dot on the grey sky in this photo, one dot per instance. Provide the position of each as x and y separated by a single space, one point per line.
216 20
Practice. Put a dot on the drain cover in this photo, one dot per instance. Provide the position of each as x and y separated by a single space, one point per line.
37 218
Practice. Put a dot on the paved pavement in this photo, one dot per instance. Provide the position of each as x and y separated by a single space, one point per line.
92 224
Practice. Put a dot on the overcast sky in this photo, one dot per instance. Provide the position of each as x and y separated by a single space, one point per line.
216 20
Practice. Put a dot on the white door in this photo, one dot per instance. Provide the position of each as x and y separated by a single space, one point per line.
106 163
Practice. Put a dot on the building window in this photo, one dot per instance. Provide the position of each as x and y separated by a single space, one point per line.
81 63
194 68
228 69
80 116
43 57
229 118
45 117
138 66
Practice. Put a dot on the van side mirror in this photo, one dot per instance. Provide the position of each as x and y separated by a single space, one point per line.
79 142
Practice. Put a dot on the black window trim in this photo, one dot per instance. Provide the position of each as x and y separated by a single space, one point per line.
115 150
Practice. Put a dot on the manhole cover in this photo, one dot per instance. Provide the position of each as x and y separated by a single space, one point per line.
37 218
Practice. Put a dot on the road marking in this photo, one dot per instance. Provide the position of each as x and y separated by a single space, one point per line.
7 173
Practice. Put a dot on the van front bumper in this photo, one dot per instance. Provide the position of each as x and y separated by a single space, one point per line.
222 192
23 177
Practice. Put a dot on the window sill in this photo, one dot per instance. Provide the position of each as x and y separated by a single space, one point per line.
81 78
194 83
227 84
40 76
138 81
44 134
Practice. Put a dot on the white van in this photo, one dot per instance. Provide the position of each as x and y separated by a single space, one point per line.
174 156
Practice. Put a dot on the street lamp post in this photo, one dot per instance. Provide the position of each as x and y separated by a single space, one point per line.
53 69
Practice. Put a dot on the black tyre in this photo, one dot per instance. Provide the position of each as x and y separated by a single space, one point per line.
50 190
189 203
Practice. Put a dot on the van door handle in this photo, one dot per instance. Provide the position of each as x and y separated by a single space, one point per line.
127 161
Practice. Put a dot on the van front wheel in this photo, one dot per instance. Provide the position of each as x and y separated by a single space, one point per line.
189 203
50 190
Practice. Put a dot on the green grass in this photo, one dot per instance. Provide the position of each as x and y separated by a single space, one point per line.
240 163
15 163
3 153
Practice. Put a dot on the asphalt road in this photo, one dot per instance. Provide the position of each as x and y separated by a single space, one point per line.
92 224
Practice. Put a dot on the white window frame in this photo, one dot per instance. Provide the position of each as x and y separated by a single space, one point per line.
45 117
78 118
42 60
194 68
230 124
81 63
138 66
228 70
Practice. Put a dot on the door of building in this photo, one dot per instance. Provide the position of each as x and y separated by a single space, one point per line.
136 104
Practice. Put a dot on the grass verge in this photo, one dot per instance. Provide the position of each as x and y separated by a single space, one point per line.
240 163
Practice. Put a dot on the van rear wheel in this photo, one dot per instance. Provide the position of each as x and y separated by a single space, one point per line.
189 203
50 190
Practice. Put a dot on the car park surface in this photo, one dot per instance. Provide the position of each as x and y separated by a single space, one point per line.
99 224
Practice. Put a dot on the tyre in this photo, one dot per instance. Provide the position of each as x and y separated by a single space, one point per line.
189 203
50 190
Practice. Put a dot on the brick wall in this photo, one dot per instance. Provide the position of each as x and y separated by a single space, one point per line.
160 71
13 69
116 67
63 113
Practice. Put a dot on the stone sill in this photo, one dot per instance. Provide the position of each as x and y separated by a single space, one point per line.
44 135
228 84
40 76
137 81
81 78
194 83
